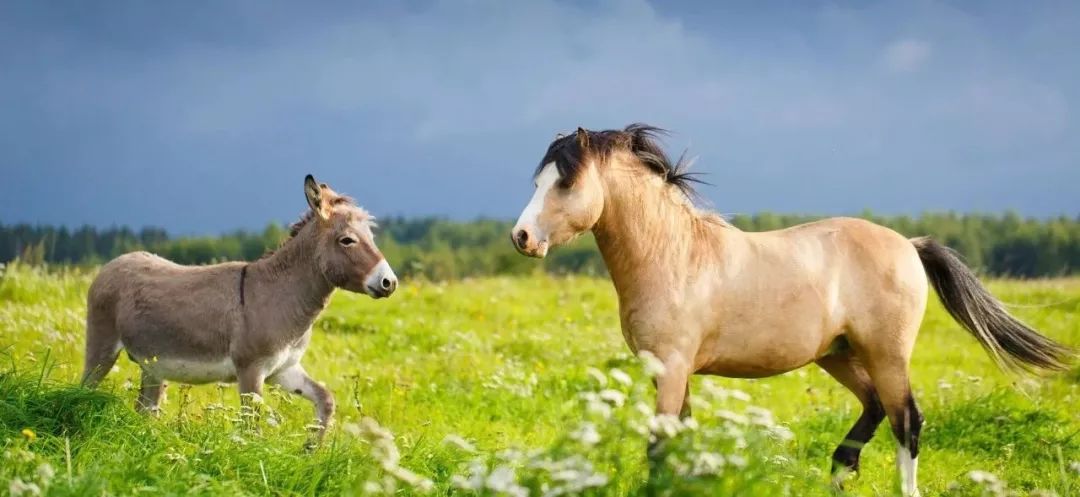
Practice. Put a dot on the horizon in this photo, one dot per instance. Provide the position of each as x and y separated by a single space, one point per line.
284 225
203 118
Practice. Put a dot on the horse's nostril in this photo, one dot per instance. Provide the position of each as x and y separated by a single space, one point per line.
386 283
522 238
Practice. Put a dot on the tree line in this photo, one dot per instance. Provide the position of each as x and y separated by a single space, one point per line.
998 245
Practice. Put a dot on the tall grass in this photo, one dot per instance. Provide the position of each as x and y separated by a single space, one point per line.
507 386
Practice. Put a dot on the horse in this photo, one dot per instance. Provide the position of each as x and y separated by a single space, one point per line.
704 297
240 322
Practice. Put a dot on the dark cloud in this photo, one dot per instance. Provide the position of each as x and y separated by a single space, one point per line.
206 117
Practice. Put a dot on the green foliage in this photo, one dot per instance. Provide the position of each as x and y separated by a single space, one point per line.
437 249
460 385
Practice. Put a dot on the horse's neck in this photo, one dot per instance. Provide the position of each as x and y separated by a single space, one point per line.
646 236
289 284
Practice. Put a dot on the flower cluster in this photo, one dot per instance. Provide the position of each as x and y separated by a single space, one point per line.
28 474
385 451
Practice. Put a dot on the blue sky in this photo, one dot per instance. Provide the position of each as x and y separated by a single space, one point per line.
204 116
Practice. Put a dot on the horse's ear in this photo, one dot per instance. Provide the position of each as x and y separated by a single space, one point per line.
582 138
315 199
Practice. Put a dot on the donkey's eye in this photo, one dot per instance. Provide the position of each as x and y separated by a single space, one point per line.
347 241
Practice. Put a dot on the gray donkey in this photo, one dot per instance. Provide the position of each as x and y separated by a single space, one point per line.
243 322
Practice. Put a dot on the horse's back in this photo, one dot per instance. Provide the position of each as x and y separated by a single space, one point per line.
881 279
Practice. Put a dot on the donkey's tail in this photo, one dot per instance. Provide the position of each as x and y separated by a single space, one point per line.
1012 344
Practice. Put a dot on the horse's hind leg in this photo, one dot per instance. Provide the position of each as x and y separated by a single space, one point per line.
889 373
102 345
847 369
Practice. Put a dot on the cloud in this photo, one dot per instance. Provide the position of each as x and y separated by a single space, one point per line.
905 56
444 107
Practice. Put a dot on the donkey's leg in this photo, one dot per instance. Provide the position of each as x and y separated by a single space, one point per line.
296 380
150 390
890 377
250 382
849 371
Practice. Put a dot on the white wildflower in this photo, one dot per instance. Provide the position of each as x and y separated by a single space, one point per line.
459 442
621 377
417 482
502 479
653 366
595 405
597 375
613 397
781 433
371 487
665 425
739 395
566 475
174 456
45 472
978 476
733 417
19 488
586 434
707 464
475 480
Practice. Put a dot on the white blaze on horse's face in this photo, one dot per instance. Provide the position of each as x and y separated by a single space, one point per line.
529 238
557 213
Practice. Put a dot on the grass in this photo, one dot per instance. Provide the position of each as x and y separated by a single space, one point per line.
493 386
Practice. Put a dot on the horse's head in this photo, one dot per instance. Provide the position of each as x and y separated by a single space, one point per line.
345 250
568 200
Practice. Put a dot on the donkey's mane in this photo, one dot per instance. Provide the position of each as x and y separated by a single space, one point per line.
294 228
640 139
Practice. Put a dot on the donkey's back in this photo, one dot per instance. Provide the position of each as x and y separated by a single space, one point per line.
156 308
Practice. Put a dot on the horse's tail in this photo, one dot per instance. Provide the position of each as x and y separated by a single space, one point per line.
1012 344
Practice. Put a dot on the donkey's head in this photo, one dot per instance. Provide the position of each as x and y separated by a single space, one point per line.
345 250
568 200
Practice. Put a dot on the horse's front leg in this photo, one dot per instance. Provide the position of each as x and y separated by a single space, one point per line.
672 395
296 380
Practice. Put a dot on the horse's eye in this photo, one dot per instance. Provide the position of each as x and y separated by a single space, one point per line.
347 241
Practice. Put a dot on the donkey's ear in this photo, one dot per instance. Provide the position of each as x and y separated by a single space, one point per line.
315 199
582 138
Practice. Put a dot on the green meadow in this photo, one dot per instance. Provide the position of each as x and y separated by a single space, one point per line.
514 386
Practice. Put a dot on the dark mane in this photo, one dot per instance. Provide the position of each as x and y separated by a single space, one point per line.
640 139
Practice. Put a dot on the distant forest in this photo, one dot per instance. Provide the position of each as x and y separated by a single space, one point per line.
438 249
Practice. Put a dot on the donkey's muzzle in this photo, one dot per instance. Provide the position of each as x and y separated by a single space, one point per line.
382 281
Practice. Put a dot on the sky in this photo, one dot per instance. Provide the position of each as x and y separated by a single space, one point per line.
202 117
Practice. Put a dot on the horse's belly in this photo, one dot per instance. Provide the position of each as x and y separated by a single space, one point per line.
762 355
736 369
189 370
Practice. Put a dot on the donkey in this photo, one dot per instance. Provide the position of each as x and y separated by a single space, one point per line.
707 298
237 321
